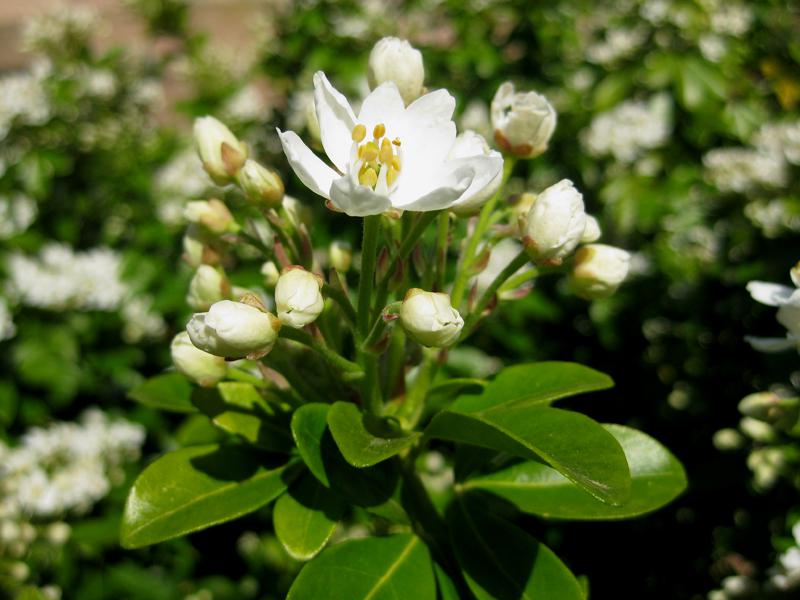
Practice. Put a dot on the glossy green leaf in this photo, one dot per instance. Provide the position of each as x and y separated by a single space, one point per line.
445 586
365 441
309 424
377 568
502 562
170 391
306 517
197 487
657 479
570 442
534 384
240 410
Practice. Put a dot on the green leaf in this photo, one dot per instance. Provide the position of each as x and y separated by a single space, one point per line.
240 410
197 487
534 384
502 562
377 568
570 442
447 589
306 517
365 441
309 424
170 391
657 479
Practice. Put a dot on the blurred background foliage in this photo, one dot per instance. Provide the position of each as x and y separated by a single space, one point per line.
678 120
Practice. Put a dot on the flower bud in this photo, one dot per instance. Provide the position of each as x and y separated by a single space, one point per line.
211 214
298 212
393 59
521 207
523 122
555 223
467 145
221 153
298 297
430 319
591 233
201 367
727 439
341 256
270 272
193 249
234 330
599 270
262 187
209 285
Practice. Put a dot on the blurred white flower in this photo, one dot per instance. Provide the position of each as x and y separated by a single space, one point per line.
17 212
390 157
744 169
787 299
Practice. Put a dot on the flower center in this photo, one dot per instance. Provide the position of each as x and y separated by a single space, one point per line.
377 159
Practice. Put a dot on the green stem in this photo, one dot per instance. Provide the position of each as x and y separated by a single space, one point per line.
407 245
414 403
369 250
335 359
475 316
465 268
373 402
342 300
395 361
517 280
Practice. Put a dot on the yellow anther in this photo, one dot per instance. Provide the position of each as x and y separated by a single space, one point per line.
396 163
361 152
396 142
368 178
386 151
391 176
379 131
370 152
359 133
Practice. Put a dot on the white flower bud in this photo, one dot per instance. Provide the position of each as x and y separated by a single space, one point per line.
193 248
599 270
467 145
393 59
430 319
298 297
297 211
221 153
201 367
757 430
555 223
270 272
760 405
341 256
591 233
211 214
523 122
261 186
209 285
234 330
727 439
58 533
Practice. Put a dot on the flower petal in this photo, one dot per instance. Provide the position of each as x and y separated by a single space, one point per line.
446 190
763 344
308 167
438 106
771 294
357 200
383 105
486 181
336 121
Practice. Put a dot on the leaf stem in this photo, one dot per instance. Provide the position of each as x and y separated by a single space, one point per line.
342 300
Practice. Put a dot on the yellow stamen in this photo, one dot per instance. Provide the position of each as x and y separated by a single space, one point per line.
391 176
396 142
359 133
368 178
370 151
386 151
379 131
396 163
361 152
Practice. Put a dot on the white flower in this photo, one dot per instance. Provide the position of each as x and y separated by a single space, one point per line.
7 327
787 300
201 367
430 319
599 270
744 169
523 122
555 223
208 286
233 330
391 156
395 60
221 153
298 298
483 186
262 186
